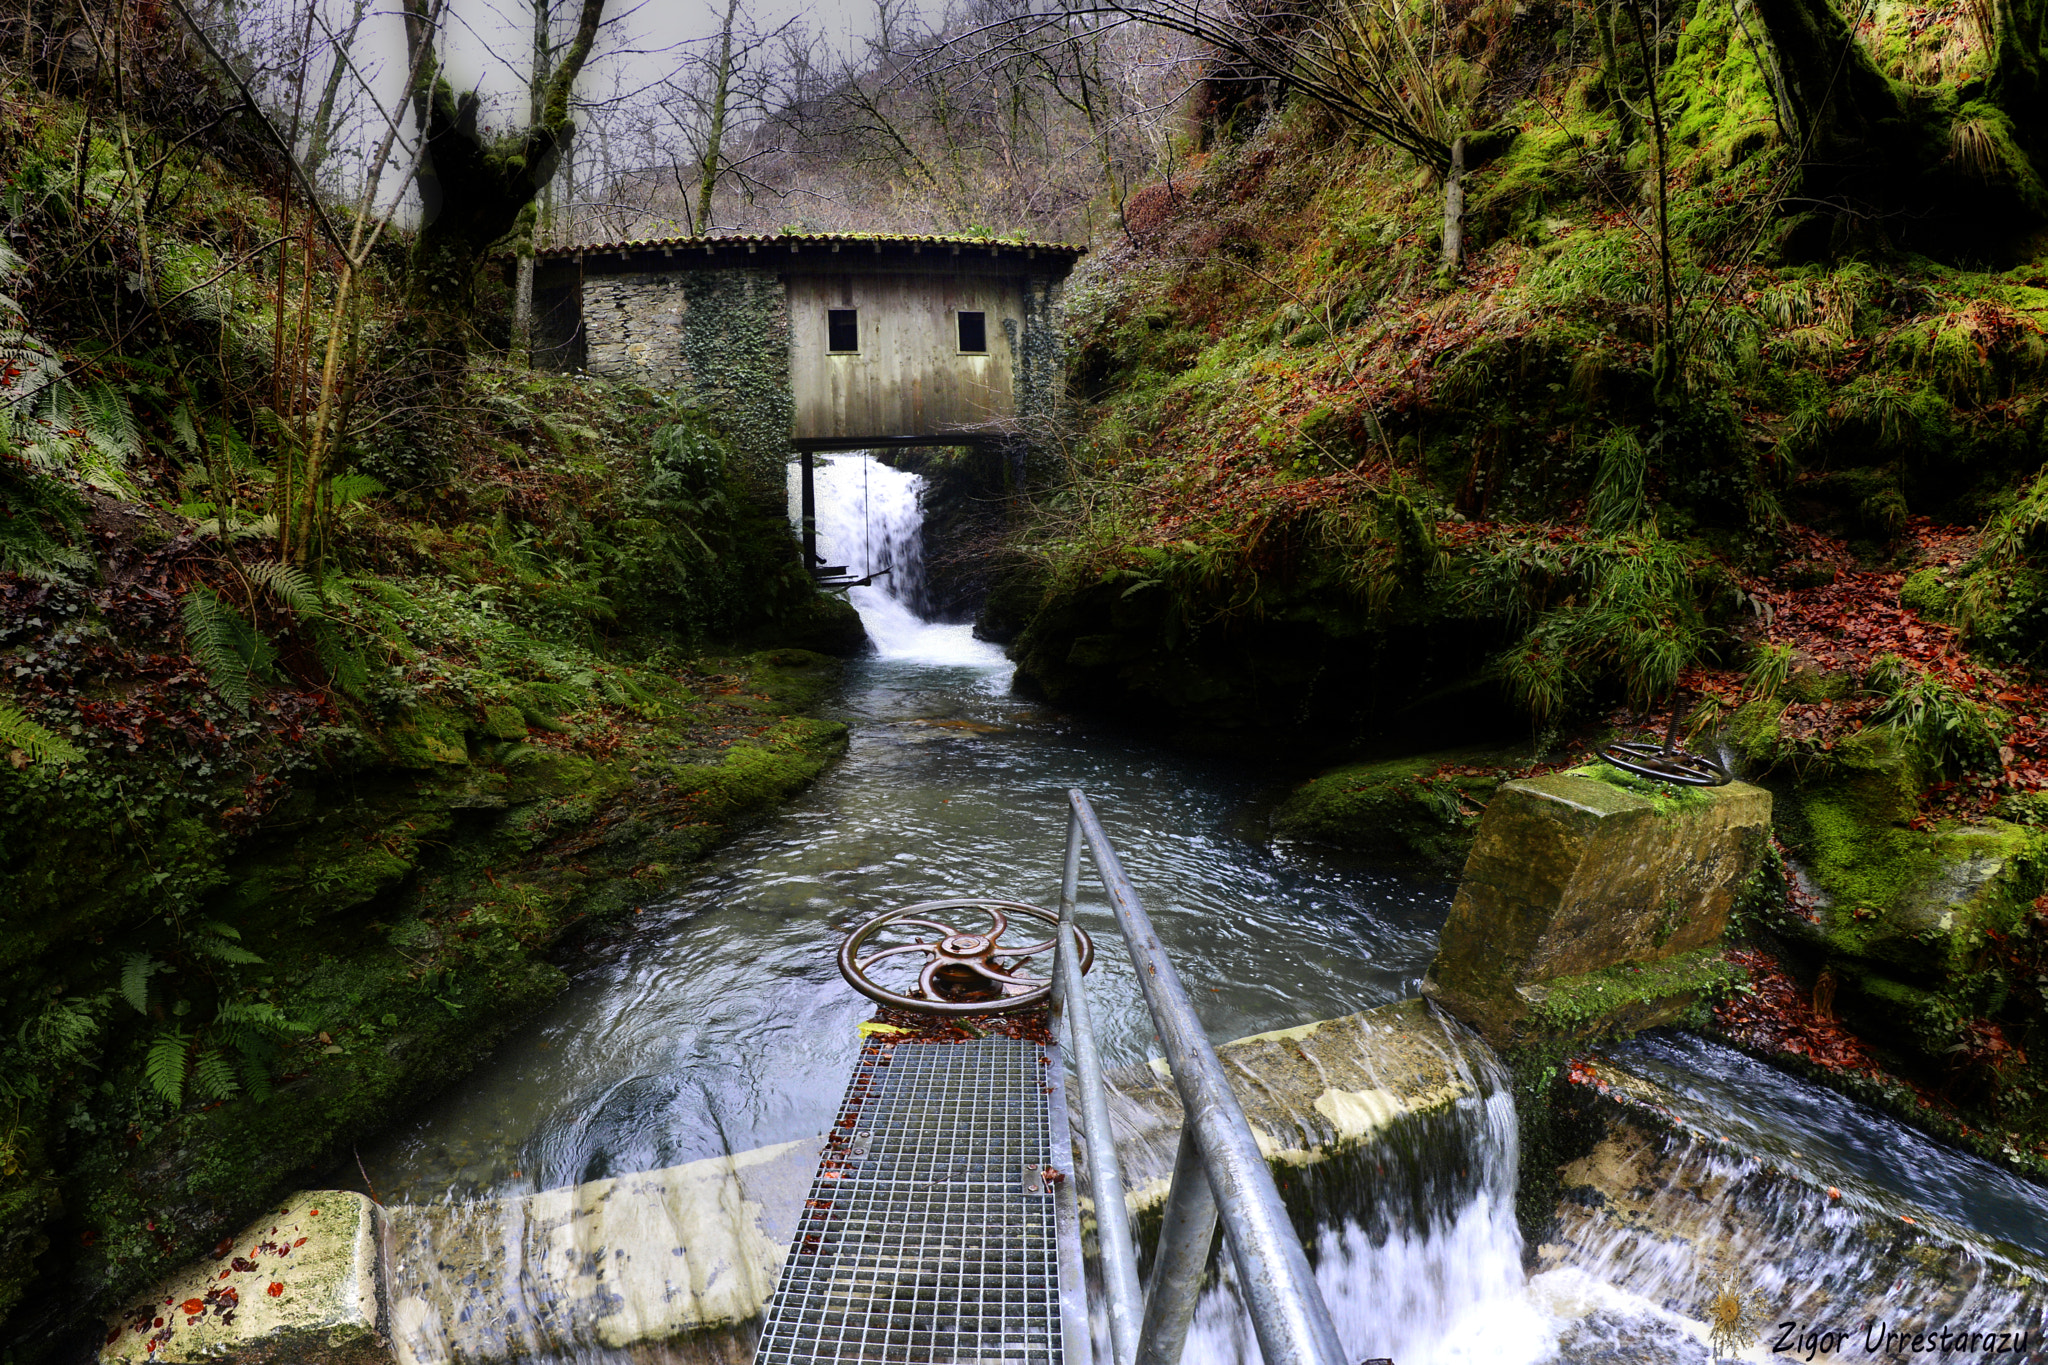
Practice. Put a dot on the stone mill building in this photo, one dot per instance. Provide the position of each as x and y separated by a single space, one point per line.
819 341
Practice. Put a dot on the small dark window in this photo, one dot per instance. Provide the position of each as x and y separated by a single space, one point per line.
842 329
974 332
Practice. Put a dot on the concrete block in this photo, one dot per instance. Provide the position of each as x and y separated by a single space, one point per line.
680 1260
298 1287
1571 874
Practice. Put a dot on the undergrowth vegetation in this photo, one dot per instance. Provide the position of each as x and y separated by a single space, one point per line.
1673 432
296 819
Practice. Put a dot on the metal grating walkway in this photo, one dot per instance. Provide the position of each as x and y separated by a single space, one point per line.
931 1234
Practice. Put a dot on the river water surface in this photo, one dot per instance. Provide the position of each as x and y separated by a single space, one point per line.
722 1023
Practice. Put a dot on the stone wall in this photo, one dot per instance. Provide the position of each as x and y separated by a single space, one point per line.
716 338
1039 379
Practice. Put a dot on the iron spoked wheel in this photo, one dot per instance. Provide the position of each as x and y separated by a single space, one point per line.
967 963
1664 763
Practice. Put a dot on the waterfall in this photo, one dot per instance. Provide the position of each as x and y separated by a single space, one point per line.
1418 1255
871 519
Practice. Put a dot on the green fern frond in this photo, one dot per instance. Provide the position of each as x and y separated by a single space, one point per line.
213 1077
565 434
28 394
220 950
136 969
343 489
344 664
288 583
256 1076
104 415
182 428
17 731
165 1065
216 636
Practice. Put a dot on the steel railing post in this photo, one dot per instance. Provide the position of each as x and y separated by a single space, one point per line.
1184 1241
1287 1309
1105 1177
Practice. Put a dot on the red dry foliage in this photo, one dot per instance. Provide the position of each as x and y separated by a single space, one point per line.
1841 625
1776 1016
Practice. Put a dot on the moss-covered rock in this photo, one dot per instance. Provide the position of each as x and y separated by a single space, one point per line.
1577 876
1421 811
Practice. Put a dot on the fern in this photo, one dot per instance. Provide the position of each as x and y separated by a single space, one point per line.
165 1065
220 950
17 731
286 582
136 969
39 369
565 434
256 1076
344 664
232 651
106 419
47 1046
343 489
213 1077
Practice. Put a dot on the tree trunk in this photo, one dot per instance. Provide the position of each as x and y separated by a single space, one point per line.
714 139
1454 209
472 189
1872 163
522 308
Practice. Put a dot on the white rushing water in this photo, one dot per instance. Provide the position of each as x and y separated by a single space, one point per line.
1445 1290
870 520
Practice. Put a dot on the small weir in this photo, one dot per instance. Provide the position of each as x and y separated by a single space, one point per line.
631 1178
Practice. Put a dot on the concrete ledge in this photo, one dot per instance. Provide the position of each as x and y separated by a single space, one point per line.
1316 1097
676 1265
690 1253
1667 1208
298 1287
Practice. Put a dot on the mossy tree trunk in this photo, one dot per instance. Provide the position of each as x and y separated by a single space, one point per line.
2019 77
473 188
1870 160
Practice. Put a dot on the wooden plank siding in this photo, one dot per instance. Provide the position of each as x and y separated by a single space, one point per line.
909 378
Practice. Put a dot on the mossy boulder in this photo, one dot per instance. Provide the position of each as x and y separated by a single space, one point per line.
1421 811
428 737
504 721
1574 874
822 623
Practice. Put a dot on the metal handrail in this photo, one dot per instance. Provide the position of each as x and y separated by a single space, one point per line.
1219 1172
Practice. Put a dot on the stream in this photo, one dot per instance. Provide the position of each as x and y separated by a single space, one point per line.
720 1023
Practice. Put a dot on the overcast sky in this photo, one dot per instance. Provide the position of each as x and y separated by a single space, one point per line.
487 40
486 49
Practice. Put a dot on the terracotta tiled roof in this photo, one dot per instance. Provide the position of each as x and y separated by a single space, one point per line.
801 239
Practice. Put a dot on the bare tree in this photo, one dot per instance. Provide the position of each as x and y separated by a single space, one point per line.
473 187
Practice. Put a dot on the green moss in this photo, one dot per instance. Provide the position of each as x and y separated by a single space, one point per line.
1623 999
1405 810
1664 797
428 737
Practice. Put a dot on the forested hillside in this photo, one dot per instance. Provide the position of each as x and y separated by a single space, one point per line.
353 674
1729 393
1452 386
